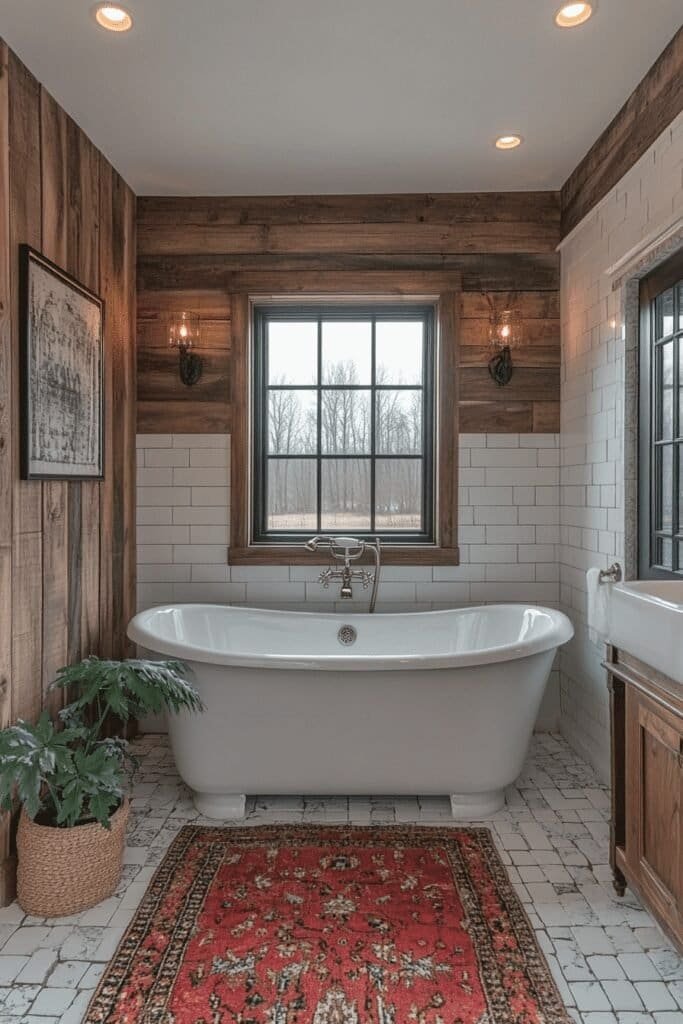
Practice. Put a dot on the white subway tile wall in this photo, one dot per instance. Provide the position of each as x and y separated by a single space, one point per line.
509 531
647 201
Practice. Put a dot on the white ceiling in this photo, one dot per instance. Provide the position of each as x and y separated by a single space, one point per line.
257 97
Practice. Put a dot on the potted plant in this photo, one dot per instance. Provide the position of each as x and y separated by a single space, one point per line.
70 780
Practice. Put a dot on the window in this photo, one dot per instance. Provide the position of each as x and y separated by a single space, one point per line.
343 421
315 449
661 422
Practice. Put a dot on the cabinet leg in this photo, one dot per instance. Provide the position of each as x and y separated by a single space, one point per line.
618 881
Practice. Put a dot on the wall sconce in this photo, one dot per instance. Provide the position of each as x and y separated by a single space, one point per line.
183 333
505 331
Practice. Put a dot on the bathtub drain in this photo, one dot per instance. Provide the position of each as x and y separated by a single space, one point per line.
347 635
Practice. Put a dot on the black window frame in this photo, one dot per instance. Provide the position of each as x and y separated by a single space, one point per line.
337 310
668 275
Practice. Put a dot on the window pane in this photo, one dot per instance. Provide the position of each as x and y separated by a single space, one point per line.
680 386
399 352
398 494
345 498
398 422
665 356
664 484
292 422
347 352
680 307
664 314
680 487
345 419
664 553
291 494
292 352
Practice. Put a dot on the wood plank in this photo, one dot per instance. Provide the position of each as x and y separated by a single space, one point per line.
83 259
528 384
215 334
496 417
27 696
124 362
533 332
25 226
211 304
439 208
7 860
108 495
55 492
187 417
159 380
530 305
655 102
404 282
546 417
523 355
483 237
484 272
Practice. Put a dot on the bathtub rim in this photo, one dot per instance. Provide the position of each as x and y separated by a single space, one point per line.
559 633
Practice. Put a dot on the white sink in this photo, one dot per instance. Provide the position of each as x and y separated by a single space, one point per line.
646 619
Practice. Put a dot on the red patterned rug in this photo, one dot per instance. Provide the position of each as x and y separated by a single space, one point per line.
329 925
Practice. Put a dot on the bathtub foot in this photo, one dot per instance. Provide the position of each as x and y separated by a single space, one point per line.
472 806
222 806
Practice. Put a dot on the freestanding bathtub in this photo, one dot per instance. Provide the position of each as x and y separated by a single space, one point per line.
439 702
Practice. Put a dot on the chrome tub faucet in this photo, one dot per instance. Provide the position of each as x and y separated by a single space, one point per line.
344 551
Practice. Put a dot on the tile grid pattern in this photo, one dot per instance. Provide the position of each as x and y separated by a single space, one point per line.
594 518
612 965
509 496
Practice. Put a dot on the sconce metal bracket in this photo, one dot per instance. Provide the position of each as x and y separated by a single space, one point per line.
500 366
190 366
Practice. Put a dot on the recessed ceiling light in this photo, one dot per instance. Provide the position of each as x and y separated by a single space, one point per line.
113 17
573 14
508 141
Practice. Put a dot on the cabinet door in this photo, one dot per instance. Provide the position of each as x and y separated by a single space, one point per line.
654 773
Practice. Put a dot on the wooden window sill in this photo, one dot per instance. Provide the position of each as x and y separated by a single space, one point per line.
263 554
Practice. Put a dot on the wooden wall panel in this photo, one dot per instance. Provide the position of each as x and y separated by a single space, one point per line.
25 226
652 105
53 125
66 548
195 253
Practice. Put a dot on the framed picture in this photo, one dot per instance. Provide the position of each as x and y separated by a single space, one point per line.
62 394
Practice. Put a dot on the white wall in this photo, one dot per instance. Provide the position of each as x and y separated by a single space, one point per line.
509 515
596 414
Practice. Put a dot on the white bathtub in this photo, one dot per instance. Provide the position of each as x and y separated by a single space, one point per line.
422 703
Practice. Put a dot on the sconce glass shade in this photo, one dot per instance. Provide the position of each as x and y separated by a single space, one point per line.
183 334
505 328
183 330
505 332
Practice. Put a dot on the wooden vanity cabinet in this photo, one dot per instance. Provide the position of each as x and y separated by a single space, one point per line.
646 838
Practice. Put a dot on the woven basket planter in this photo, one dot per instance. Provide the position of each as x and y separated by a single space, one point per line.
62 871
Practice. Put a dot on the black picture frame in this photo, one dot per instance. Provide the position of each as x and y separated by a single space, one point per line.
61 373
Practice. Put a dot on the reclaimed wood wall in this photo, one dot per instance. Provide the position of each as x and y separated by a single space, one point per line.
195 252
653 105
67 570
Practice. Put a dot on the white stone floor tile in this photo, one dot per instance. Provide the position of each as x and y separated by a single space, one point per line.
611 962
